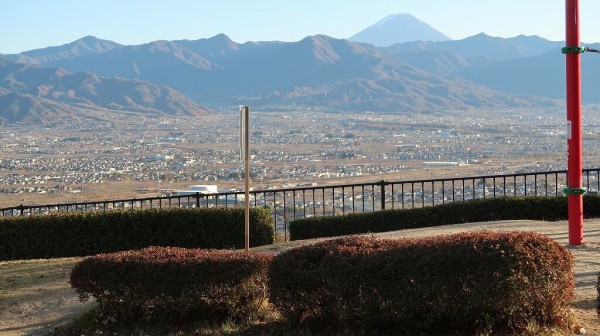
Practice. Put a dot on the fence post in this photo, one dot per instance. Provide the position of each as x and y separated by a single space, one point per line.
382 185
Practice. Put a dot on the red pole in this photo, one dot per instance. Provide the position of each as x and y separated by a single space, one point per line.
575 158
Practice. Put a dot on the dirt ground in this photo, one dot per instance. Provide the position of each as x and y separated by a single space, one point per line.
35 296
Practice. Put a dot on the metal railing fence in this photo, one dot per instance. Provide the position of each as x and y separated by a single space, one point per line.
293 203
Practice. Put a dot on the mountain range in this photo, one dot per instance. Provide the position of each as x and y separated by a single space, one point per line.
39 94
180 77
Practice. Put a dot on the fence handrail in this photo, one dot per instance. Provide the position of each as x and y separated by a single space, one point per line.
234 194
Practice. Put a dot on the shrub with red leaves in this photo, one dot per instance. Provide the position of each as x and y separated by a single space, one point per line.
465 283
173 284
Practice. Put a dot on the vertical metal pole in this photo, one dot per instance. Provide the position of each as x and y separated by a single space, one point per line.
247 173
382 191
574 160
245 141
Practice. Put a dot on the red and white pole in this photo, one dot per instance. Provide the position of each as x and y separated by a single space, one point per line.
575 157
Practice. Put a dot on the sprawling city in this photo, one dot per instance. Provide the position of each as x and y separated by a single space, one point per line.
150 156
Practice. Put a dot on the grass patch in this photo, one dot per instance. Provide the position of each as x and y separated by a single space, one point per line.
20 279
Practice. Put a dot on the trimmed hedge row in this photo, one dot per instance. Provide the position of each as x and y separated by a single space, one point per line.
173 285
469 283
88 233
479 210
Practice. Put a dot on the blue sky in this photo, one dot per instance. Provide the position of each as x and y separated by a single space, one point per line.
31 24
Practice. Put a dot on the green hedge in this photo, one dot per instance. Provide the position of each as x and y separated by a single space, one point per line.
88 233
479 210
464 284
173 285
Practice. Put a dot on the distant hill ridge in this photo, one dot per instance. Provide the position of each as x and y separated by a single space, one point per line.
38 94
317 71
483 45
81 47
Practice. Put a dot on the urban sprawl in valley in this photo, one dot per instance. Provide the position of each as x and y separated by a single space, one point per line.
145 156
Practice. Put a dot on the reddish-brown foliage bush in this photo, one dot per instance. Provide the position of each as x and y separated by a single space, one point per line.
463 283
173 284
